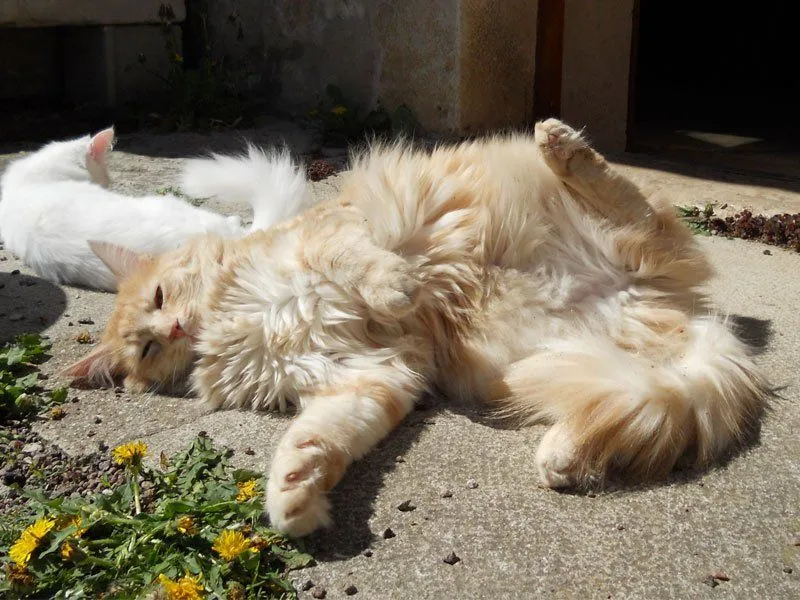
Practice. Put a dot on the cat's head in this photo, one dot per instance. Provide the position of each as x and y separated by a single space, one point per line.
81 159
148 340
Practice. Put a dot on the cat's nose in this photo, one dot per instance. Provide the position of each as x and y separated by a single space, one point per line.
177 331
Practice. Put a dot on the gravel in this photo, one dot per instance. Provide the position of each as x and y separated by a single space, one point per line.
27 462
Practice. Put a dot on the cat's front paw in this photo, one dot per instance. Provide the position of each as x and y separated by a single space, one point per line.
391 289
558 143
297 503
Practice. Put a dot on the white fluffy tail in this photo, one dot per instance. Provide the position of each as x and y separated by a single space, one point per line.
616 411
270 182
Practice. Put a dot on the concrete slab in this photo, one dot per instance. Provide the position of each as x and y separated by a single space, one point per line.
514 539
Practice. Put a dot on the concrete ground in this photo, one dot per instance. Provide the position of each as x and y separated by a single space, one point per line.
740 522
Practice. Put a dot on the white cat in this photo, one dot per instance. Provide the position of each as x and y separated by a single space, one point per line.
55 200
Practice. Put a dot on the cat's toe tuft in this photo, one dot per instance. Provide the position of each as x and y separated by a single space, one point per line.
299 510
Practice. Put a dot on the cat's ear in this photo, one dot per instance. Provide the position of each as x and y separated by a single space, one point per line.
121 261
98 368
100 145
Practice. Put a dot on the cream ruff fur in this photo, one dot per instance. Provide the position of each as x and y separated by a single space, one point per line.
519 271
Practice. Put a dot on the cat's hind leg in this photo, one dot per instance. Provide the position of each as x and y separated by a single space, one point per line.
649 238
339 425
588 175
635 413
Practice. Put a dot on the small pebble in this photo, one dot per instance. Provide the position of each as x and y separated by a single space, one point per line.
472 484
32 448
399 459
307 585
406 506
91 433
451 559
620 527
97 420
445 494
15 317
720 575
319 592
249 451
788 570
351 590
367 553
15 272
70 324
768 252
388 534
85 321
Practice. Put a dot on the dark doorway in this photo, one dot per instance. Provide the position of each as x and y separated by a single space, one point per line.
717 79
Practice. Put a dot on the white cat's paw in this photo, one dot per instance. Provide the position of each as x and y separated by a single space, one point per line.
558 143
296 500
555 459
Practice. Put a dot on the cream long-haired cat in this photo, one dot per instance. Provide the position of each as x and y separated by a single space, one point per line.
521 271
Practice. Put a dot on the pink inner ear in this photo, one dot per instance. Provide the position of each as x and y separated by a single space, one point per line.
121 261
101 143
97 367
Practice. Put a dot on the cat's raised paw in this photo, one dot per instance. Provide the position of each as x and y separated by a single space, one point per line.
558 143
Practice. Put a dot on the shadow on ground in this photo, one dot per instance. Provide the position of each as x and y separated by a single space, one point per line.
353 498
28 304
754 332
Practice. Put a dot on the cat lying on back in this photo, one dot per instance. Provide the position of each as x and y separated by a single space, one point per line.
56 199
520 271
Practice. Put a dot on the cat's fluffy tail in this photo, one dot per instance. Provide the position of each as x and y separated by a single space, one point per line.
269 181
617 412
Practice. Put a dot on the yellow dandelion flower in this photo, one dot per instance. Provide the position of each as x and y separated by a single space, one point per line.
40 528
68 550
247 490
65 521
186 526
19 575
21 551
185 588
230 544
339 110
130 454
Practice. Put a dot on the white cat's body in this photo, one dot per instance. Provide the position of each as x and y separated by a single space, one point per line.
55 200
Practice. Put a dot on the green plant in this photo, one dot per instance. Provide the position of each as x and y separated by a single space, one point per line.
20 392
699 221
198 534
340 119
173 191
207 95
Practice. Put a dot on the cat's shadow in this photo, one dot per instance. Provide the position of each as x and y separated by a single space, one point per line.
354 498
28 304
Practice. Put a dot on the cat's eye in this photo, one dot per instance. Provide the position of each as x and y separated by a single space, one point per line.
149 348
159 298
